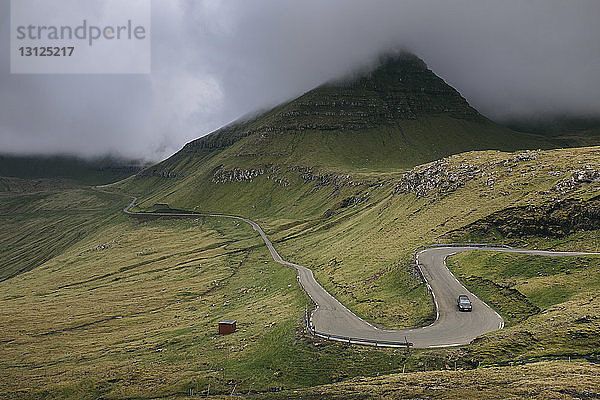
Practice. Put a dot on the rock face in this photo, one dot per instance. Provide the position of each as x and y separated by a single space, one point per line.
396 116
578 176
557 219
441 177
323 179
436 179
278 175
401 88
161 173
529 155
236 175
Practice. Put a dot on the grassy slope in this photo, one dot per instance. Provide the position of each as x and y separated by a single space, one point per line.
92 172
367 255
43 218
568 323
547 380
360 252
361 154
567 132
544 281
550 304
132 312
397 116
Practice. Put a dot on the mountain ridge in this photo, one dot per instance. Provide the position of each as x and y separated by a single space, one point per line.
391 91
385 121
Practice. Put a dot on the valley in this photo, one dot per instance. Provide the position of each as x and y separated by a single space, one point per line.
346 181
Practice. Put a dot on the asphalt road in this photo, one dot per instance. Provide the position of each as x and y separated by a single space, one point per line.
451 327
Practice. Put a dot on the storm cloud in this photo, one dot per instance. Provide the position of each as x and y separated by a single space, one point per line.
213 61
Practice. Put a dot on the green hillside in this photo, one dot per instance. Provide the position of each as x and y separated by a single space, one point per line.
346 180
130 309
391 119
42 218
563 132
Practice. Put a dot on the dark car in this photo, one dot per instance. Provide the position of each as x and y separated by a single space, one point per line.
464 304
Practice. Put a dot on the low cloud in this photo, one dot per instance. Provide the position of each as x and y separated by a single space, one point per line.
213 61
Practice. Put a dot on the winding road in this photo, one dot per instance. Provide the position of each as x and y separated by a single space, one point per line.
332 320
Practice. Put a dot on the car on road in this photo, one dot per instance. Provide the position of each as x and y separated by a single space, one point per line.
464 304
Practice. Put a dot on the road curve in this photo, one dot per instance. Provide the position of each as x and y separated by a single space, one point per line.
450 328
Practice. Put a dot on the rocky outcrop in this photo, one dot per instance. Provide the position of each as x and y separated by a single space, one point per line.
557 219
236 175
222 175
443 176
279 176
121 169
324 179
436 179
355 200
513 161
161 173
578 176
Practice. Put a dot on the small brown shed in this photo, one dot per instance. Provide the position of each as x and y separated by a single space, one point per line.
227 326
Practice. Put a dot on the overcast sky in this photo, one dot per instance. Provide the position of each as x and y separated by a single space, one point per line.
214 60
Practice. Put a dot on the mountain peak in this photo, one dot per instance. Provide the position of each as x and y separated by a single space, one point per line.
403 87
387 67
400 88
